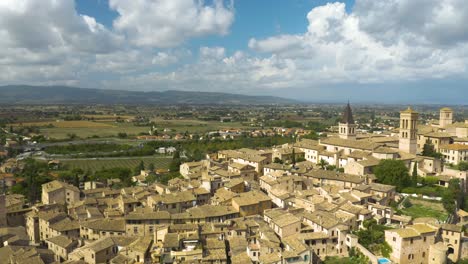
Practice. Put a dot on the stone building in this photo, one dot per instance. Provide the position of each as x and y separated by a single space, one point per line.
347 127
59 193
408 131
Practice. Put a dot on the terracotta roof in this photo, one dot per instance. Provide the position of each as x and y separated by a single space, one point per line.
65 225
450 227
117 225
381 187
148 215
332 175
437 135
349 143
101 244
61 241
408 111
456 147
282 218
250 198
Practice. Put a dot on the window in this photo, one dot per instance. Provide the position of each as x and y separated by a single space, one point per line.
424 239
394 239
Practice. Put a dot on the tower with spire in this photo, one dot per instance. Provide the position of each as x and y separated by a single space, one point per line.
347 128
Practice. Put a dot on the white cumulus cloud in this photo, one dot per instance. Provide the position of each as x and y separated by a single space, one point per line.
162 23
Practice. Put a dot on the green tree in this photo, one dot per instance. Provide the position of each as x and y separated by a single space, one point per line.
71 136
151 167
454 197
122 135
429 151
293 158
414 175
36 173
123 174
176 155
174 166
385 249
372 237
340 260
392 172
312 135
78 175
463 166
65 176
277 160
139 168
323 164
152 178
197 155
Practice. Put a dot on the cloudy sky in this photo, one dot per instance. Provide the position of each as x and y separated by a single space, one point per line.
313 50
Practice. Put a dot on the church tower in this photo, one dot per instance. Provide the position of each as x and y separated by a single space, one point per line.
347 128
408 131
446 117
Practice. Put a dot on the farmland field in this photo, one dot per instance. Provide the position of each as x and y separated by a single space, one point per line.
160 162
107 117
197 126
110 129
66 124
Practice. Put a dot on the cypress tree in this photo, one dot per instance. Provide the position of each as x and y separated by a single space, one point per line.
414 175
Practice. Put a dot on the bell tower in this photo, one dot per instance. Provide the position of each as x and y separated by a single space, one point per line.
408 131
446 117
347 128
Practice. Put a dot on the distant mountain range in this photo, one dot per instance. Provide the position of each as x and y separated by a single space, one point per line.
24 94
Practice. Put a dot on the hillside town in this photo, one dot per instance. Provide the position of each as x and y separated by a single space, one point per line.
309 201
234 132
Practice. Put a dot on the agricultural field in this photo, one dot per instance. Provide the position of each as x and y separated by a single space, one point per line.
64 124
109 129
160 162
109 118
198 126
424 208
